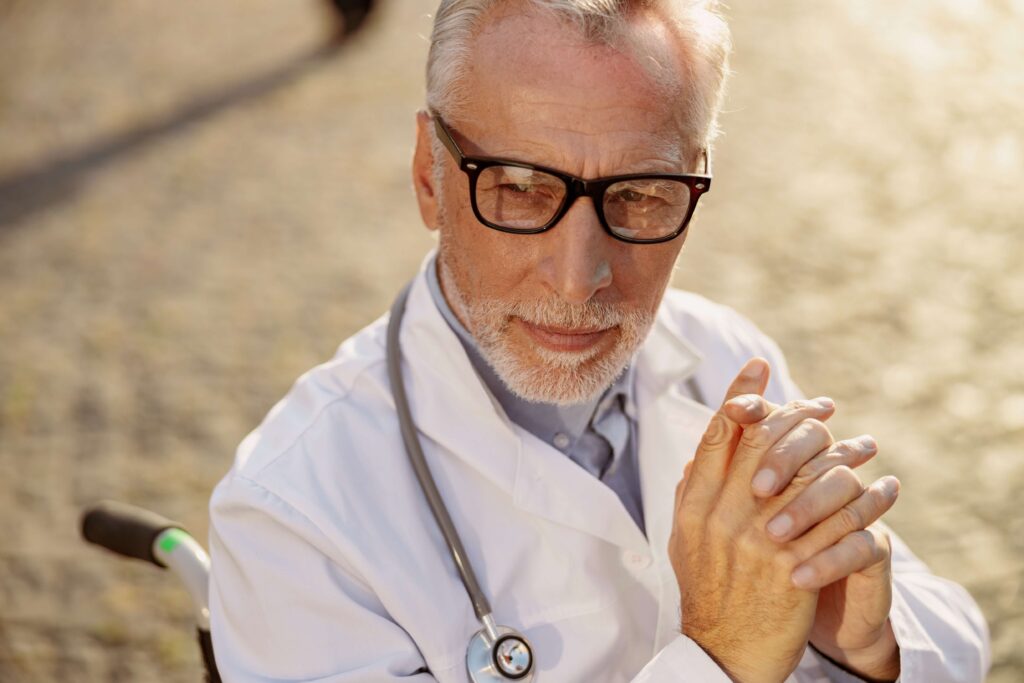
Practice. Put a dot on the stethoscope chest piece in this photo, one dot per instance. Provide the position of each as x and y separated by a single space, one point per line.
508 657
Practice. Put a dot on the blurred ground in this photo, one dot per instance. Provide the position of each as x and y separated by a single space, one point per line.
196 206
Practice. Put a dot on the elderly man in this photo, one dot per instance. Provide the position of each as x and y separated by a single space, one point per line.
558 390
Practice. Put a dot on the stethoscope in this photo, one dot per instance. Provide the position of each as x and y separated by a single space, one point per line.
495 653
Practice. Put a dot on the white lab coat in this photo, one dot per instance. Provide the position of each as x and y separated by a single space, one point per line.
327 564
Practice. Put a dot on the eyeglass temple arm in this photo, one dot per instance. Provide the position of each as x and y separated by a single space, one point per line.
446 138
707 161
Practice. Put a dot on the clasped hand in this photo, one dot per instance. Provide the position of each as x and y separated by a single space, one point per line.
772 543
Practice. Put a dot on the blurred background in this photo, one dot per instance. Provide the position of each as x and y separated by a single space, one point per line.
200 200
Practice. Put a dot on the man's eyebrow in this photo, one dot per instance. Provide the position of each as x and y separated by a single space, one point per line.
668 158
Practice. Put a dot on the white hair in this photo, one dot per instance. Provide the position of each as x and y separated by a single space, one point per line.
695 75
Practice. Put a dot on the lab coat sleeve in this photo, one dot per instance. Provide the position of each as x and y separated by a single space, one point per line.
682 661
942 634
284 607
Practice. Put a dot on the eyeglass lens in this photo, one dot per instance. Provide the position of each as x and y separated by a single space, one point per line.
526 199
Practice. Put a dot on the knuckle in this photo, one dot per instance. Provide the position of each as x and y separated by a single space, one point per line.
717 525
717 432
846 476
851 519
864 545
817 428
810 471
757 436
689 517
803 478
845 448
800 406
688 525
751 403
881 541
748 543
785 561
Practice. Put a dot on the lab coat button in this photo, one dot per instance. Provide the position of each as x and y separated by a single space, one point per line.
561 441
636 560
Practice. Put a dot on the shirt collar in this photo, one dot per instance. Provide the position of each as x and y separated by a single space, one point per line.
543 420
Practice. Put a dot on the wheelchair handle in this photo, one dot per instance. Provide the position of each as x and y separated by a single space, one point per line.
144 535
126 530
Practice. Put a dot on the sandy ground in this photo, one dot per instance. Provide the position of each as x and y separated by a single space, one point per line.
196 205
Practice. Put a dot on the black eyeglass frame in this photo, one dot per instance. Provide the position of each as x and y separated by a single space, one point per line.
575 187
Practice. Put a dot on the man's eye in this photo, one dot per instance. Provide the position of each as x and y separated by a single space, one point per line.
632 196
519 188
627 196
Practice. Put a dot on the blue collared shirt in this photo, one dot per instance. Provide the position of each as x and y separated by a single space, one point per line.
599 436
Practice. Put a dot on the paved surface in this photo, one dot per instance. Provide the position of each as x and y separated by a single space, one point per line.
197 204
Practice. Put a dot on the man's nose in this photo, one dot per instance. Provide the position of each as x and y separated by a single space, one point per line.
577 264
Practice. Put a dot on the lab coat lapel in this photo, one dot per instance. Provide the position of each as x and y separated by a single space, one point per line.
551 485
670 427
450 404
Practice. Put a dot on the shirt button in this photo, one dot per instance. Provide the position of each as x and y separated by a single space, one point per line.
561 441
636 560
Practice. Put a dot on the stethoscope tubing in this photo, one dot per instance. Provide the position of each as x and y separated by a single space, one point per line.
481 606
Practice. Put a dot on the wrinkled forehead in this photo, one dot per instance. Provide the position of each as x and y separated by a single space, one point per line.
532 63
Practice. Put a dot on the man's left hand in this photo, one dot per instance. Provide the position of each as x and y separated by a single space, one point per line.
854 575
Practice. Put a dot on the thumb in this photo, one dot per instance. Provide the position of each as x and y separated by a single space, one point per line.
752 379
711 461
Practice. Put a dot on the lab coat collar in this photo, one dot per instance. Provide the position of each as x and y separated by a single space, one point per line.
452 407
665 359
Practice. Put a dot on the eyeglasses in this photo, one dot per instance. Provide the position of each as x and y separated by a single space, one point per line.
516 197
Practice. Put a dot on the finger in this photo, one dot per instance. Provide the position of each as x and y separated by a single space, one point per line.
819 501
759 437
865 510
751 379
711 460
748 408
857 552
797 447
851 453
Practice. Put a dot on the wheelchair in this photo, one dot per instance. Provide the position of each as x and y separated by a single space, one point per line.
140 534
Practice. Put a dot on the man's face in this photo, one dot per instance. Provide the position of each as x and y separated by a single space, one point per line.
560 313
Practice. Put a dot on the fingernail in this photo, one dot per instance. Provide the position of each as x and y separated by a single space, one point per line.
825 402
803 577
780 525
867 443
764 481
890 486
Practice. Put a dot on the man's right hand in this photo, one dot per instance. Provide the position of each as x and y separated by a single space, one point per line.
738 600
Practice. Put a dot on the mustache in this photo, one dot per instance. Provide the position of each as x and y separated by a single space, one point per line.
555 312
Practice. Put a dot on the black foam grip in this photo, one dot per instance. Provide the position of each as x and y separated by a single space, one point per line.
125 529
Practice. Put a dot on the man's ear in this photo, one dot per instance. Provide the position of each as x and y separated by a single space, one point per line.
423 170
